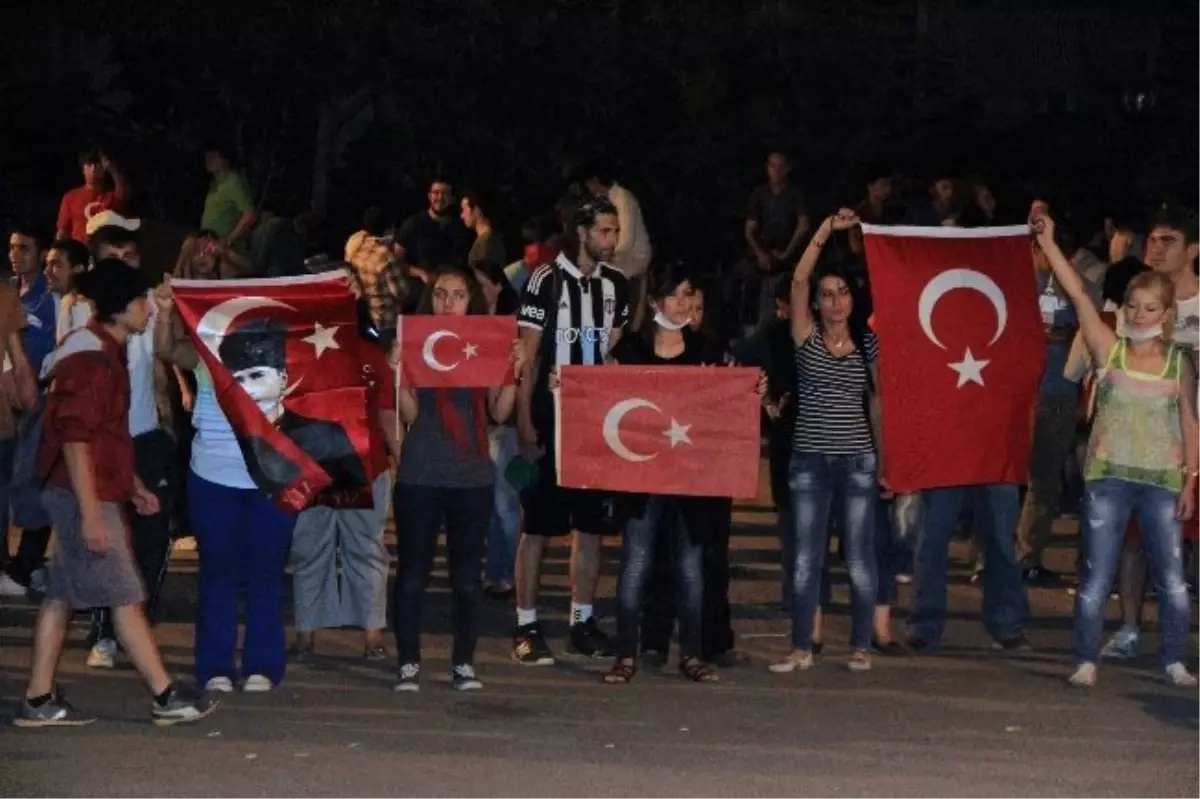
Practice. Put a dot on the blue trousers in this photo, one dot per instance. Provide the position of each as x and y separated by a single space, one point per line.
243 542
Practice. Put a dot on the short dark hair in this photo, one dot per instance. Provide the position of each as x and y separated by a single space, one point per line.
76 253
440 178
28 231
112 236
538 230
111 285
600 170
90 155
1180 219
1117 278
375 221
482 200
257 343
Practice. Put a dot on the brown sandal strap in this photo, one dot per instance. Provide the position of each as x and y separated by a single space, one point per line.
621 673
697 670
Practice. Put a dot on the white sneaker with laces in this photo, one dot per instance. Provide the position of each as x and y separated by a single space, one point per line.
10 588
103 654
1084 677
796 661
1178 676
257 684
465 679
219 685
410 676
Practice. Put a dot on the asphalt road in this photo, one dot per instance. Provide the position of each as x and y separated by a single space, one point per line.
967 722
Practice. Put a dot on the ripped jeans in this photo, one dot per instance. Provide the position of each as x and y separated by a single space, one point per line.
1108 505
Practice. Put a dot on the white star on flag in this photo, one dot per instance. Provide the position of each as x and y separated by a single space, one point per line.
970 369
470 351
322 338
678 433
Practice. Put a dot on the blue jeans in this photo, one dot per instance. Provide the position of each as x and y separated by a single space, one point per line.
243 542
506 519
815 481
995 509
1108 504
663 516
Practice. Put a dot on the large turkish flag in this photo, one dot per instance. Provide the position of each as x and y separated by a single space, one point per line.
680 430
456 351
284 359
961 352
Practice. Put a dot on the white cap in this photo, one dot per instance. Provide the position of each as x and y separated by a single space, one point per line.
110 219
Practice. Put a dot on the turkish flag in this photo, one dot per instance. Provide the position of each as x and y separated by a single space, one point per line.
285 363
676 430
961 353
471 351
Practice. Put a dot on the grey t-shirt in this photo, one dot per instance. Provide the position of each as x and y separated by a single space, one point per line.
430 457
487 247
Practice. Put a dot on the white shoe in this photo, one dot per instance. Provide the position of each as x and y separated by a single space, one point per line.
39 581
219 685
859 661
257 684
10 588
793 662
1178 676
1084 676
103 654
465 679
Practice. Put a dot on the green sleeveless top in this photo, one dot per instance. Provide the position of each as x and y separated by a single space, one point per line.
1137 435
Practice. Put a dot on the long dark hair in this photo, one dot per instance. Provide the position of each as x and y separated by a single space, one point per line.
855 277
508 302
476 305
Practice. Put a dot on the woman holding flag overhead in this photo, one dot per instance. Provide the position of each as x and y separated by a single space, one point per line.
835 445
446 477
1142 458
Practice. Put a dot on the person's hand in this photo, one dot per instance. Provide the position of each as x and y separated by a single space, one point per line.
527 439
105 161
885 488
95 532
187 400
145 501
519 358
844 219
764 260
164 295
761 387
1185 507
1043 229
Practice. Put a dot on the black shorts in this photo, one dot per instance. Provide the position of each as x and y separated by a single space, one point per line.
551 510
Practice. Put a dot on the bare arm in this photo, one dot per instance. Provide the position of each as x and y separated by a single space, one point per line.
531 341
241 265
407 404
393 434
1098 336
171 341
244 223
78 459
750 231
801 311
24 381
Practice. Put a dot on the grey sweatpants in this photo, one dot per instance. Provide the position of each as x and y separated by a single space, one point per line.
359 599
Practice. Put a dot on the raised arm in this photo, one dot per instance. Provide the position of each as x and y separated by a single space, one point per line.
802 322
1098 336
171 342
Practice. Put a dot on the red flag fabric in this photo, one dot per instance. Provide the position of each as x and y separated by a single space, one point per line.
284 357
961 352
456 351
677 430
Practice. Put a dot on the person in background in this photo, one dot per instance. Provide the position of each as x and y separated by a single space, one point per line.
204 256
276 246
541 246
229 204
1142 458
499 579
837 446
325 537
379 274
445 477
776 223
665 341
242 538
65 261
631 257
435 236
878 207
18 391
86 421
95 195
943 206
479 209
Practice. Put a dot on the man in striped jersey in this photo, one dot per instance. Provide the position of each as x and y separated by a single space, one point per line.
572 312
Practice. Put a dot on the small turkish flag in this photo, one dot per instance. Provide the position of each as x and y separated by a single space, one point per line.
439 351
961 352
676 430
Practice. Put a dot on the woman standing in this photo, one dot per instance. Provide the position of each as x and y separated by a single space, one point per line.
1141 461
445 477
241 537
667 339
834 449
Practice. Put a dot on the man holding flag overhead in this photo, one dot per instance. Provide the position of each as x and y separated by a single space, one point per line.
961 358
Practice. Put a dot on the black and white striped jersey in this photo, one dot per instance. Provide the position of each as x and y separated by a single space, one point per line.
576 314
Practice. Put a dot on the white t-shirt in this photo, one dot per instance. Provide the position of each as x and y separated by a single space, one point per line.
1187 323
633 253
216 456
139 354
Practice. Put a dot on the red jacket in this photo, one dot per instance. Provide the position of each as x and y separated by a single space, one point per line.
89 402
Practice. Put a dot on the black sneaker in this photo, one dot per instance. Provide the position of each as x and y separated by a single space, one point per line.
409 680
589 640
464 678
183 704
1017 643
529 647
54 712
1041 577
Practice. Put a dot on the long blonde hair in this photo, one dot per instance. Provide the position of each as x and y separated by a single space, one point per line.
192 249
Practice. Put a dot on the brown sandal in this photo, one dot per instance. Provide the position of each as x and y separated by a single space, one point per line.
697 670
622 673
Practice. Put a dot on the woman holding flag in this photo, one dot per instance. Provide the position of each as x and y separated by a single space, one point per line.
446 477
835 447
1141 461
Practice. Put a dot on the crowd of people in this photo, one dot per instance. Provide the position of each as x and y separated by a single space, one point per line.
112 435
